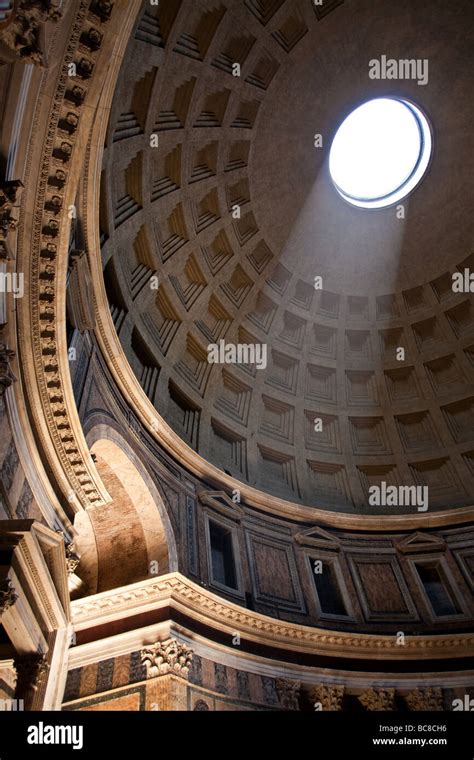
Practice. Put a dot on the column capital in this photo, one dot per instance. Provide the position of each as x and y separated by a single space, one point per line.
328 696
164 657
8 596
288 693
378 699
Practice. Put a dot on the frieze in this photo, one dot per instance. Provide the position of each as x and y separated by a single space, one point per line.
186 592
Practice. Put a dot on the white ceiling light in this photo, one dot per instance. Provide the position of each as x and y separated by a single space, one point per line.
380 152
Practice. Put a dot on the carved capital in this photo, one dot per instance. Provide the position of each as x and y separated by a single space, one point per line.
7 223
9 191
378 699
329 697
102 8
32 669
170 656
8 678
288 693
8 596
21 38
425 699
72 559
6 375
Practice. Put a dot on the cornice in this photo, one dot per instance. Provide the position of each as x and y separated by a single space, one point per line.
181 594
41 575
61 124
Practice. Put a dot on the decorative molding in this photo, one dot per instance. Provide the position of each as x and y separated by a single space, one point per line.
24 538
320 538
420 542
283 561
221 502
176 591
170 656
42 252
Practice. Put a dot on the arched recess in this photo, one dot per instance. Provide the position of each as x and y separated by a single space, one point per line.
130 538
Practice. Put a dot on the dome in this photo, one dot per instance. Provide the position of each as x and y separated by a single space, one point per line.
222 231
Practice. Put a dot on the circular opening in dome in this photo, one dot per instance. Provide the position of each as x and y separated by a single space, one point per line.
380 152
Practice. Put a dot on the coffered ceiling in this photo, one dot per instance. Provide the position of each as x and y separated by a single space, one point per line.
187 142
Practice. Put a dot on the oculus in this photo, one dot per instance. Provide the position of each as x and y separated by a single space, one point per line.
380 152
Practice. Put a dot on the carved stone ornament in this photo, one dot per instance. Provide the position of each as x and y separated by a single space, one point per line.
9 193
72 559
329 697
425 699
170 656
201 706
378 699
102 8
21 38
7 223
31 669
7 595
288 693
6 375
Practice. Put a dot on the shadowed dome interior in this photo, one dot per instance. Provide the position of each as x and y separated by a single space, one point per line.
333 352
